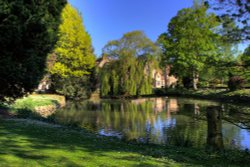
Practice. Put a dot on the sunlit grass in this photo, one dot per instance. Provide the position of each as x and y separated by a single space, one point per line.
31 143
33 101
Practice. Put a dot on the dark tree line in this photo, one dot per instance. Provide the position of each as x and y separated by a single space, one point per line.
28 32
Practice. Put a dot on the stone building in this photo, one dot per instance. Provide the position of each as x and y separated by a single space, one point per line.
163 79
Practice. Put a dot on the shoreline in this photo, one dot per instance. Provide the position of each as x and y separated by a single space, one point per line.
209 94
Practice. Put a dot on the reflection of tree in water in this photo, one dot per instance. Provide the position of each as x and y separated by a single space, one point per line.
187 130
214 128
75 115
237 115
158 120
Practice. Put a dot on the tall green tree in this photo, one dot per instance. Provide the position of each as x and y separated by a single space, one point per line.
125 74
28 32
190 42
74 56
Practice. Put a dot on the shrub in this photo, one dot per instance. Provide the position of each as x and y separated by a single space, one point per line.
236 82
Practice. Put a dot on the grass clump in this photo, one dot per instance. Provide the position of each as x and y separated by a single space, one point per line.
28 106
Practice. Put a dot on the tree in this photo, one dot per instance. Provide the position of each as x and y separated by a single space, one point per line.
237 11
74 56
245 58
126 75
190 42
28 32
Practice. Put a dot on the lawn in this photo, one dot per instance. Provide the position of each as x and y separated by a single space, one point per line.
32 143
36 100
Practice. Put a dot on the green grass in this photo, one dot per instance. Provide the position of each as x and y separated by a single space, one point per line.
33 101
241 96
27 107
30 143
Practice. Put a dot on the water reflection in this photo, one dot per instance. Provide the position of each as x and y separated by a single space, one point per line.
173 121
214 128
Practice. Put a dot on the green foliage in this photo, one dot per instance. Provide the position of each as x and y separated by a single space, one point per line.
33 101
28 32
246 63
74 57
26 107
246 57
125 74
238 12
73 87
105 85
191 42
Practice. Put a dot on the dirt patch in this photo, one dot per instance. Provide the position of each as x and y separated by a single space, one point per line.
46 111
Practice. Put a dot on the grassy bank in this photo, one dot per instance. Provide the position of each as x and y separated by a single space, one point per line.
31 143
36 100
239 96
36 105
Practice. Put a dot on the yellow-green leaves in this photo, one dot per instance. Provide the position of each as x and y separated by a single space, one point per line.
74 52
74 62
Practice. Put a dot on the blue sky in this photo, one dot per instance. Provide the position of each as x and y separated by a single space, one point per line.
107 20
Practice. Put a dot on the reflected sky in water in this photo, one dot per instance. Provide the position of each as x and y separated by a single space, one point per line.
168 121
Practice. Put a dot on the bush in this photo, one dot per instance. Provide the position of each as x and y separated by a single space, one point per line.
73 88
236 82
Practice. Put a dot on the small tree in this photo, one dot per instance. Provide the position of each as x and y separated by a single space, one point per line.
74 56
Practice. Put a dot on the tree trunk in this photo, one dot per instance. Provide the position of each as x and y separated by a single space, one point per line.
195 80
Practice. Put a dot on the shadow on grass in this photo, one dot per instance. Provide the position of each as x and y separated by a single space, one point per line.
41 142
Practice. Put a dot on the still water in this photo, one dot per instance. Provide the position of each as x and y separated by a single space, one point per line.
168 121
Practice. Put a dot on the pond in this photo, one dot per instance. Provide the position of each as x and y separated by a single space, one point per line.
167 121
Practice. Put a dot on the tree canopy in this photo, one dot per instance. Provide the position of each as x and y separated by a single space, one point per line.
28 32
246 63
190 42
125 74
74 56
237 11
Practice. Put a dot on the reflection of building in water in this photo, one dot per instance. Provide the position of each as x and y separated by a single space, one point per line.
172 106
159 104
139 101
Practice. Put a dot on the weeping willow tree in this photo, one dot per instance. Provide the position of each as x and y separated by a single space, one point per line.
132 59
